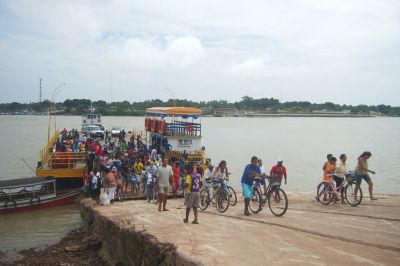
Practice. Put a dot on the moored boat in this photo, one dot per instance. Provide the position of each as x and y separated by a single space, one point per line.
91 117
68 168
32 193
176 132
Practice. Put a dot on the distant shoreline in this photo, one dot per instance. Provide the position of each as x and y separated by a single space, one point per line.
243 115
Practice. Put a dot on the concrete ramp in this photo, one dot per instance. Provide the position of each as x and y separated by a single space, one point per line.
135 232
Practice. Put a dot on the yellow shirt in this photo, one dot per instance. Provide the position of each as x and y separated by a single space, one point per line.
138 168
188 181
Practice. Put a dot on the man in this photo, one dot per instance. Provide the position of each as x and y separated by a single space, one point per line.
278 171
262 169
193 201
164 174
251 171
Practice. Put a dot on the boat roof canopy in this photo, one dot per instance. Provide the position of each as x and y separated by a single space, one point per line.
175 111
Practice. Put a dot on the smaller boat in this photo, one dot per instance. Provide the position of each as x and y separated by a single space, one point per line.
91 117
33 193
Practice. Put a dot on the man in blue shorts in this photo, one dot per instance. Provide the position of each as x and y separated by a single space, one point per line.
250 172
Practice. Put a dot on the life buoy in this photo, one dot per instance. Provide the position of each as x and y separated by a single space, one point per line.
189 128
154 125
161 126
35 201
13 205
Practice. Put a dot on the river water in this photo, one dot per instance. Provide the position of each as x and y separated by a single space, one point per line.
301 142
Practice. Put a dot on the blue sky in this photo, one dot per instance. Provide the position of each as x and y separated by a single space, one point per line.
345 52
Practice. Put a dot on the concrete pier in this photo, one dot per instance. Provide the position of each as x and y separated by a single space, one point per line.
135 233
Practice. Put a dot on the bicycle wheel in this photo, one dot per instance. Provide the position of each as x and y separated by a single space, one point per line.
149 193
155 197
120 195
222 199
324 193
232 196
277 201
349 193
255 201
204 199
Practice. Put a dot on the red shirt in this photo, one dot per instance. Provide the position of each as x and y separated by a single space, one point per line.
279 171
177 172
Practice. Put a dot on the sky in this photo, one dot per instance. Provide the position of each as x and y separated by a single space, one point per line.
342 51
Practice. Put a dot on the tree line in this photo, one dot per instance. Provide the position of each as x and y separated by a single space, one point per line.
247 103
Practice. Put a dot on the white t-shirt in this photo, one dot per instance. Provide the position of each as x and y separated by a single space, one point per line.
207 173
164 173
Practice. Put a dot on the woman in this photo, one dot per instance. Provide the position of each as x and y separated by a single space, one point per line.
362 173
221 172
339 173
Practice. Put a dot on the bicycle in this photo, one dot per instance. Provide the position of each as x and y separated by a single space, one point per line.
152 190
231 192
219 199
274 195
328 191
132 185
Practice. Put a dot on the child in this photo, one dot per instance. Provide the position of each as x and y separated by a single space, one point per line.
193 200
328 173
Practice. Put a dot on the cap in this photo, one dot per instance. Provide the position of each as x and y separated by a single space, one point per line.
280 160
114 169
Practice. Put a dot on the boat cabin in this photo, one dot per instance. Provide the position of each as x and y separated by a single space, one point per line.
91 118
175 132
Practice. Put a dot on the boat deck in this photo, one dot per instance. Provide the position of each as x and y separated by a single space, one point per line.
26 181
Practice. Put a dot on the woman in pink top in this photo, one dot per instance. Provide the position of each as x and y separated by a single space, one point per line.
221 172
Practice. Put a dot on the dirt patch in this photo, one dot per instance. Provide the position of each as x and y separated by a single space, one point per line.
76 248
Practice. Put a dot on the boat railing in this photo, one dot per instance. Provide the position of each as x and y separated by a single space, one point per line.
180 128
44 154
66 159
196 156
27 191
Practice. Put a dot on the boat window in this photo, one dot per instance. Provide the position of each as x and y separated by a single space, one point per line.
184 142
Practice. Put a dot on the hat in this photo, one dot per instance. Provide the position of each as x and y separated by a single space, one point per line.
114 168
280 161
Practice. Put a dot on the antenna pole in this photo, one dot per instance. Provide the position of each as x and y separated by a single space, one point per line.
40 90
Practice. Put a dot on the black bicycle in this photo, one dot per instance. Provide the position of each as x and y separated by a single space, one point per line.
219 197
274 195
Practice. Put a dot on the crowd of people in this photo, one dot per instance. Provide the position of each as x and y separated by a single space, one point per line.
117 166
334 172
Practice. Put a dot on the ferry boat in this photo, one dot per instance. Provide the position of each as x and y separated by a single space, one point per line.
176 132
27 194
68 168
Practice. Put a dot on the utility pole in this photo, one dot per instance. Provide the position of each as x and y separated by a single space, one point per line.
40 90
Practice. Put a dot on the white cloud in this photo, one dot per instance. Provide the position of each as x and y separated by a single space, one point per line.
221 49
184 51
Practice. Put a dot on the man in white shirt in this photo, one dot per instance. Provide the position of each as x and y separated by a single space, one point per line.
263 173
164 176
